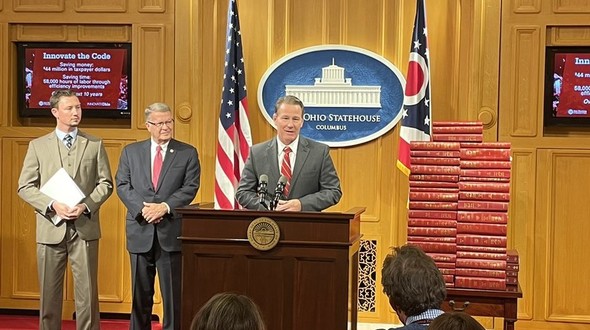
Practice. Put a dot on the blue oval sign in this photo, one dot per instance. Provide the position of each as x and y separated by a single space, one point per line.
351 95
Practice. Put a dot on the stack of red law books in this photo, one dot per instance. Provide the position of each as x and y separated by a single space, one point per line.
482 217
434 192
512 267
461 185
455 131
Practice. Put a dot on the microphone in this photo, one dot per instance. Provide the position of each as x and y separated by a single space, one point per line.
262 190
279 191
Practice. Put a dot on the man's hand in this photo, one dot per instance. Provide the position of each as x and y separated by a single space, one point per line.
290 205
68 213
153 212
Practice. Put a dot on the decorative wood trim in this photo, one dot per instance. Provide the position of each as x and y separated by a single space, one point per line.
99 6
521 222
41 32
40 6
150 58
569 6
152 6
111 33
526 6
525 79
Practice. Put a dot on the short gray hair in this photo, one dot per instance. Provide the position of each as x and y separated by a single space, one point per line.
156 107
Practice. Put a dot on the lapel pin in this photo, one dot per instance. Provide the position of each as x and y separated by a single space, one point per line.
171 150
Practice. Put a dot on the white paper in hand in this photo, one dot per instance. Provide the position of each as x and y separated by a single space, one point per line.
62 188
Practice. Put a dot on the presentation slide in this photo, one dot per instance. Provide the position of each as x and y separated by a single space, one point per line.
95 74
571 85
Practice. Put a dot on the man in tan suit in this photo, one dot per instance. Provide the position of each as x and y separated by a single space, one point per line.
76 236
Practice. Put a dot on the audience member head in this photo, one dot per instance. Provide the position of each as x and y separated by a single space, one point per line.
412 282
228 311
455 321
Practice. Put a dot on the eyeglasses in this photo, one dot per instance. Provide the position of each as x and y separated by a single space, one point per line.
161 124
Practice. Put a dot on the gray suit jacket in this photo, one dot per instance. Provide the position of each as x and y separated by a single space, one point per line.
90 170
314 181
177 186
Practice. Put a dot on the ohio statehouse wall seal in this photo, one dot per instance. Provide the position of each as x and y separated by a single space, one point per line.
263 233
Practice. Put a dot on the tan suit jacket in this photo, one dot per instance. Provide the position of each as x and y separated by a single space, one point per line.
89 169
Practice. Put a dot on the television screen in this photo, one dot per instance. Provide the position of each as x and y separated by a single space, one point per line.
99 73
567 86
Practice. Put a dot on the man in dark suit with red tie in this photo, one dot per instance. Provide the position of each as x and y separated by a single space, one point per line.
151 194
312 182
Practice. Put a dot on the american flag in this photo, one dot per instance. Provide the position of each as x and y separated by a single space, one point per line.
416 116
234 136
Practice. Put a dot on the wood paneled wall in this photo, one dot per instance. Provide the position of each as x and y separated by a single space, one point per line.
487 64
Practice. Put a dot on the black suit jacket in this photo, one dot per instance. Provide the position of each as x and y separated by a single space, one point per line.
178 184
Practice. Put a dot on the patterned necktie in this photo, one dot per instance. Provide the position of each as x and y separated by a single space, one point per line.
68 140
286 169
158 160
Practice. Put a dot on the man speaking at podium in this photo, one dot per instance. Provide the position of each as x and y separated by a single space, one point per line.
301 174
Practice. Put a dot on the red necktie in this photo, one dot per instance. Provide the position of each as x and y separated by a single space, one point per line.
286 169
157 166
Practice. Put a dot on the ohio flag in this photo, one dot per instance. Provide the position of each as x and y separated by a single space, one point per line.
416 115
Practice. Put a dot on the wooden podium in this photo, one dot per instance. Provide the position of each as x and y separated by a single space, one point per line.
307 281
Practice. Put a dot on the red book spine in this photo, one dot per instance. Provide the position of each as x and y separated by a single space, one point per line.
446 271
443 257
484 186
481 263
483 179
479 248
435 153
443 137
434 161
513 267
432 184
485 196
482 205
495 273
442 239
433 205
481 240
456 123
485 164
418 222
445 265
434 177
482 228
487 145
511 273
427 145
435 169
490 217
434 196
480 283
480 255
448 278
485 154
490 173
512 256
511 280
457 129
432 231
435 246
435 189
451 215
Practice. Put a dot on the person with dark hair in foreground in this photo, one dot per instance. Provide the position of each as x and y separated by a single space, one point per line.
414 285
228 311
455 321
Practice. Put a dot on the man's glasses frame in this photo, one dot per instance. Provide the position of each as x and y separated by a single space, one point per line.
161 124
